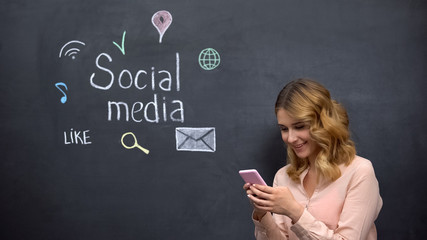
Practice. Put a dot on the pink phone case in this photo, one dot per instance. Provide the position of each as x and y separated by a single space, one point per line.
252 176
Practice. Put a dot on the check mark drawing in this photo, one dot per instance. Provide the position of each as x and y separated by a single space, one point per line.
121 47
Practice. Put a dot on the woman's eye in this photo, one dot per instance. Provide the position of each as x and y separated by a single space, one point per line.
300 127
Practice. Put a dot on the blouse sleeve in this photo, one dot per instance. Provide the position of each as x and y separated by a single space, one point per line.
361 208
271 226
269 229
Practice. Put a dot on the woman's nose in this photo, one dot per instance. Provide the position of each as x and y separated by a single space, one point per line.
291 136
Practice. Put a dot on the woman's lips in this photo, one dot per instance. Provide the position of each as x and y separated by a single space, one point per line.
299 146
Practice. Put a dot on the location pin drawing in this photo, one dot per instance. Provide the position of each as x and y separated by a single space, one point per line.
161 21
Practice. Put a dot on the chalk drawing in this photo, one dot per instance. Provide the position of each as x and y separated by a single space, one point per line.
63 98
209 59
71 49
160 109
121 47
161 21
162 79
146 151
73 137
195 139
148 112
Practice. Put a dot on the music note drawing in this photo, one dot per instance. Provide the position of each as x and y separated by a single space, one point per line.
63 98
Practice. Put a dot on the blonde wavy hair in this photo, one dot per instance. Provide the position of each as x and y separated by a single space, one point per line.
308 101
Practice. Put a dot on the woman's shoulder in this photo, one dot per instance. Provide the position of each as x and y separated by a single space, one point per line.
282 177
360 166
283 170
361 162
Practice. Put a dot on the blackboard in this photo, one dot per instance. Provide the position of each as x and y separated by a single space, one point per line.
65 173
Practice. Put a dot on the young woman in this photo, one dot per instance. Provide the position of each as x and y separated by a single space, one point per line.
326 191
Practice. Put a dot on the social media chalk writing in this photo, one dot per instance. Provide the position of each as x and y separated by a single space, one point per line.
158 85
155 111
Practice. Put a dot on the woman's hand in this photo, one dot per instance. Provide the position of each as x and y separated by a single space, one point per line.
277 200
258 213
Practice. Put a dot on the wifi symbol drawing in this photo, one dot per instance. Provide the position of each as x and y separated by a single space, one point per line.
71 49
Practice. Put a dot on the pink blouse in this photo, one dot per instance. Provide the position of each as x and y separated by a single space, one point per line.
343 209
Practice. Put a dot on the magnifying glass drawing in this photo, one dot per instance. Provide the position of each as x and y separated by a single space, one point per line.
146 151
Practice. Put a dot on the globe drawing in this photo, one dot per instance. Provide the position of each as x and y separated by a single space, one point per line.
209 59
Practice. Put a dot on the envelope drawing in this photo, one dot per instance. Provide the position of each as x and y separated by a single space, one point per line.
195 139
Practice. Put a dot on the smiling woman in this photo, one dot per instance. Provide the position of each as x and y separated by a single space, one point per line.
297 136
326 191
309 102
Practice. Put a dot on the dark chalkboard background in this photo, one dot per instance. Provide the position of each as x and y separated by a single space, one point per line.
372 55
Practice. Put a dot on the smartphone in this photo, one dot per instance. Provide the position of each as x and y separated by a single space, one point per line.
252 176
